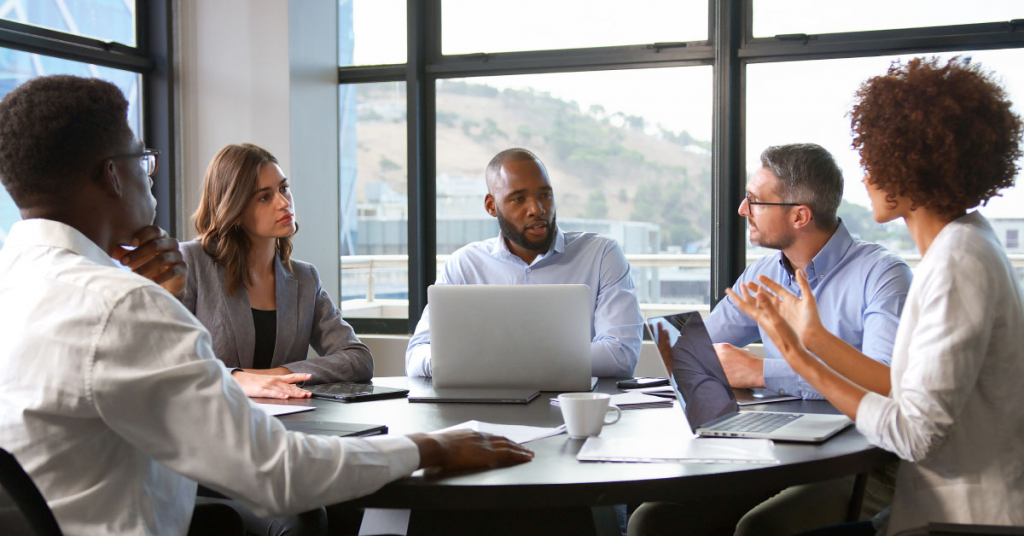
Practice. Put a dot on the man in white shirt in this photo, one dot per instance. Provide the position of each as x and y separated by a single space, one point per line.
531 250
111 397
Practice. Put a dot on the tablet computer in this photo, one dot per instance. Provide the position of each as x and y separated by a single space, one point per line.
475 396
355 392
340 429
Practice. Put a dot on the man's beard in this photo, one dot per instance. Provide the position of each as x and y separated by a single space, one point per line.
518 237
778 243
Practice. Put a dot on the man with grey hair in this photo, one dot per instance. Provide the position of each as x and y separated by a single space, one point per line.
791 204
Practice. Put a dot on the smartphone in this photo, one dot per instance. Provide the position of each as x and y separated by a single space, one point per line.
637 383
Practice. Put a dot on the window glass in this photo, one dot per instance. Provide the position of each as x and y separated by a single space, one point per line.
17 67
808 101
374 202
775 17
371 32
106 20
628 153
470 26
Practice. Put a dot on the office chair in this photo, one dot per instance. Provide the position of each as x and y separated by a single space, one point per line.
22 507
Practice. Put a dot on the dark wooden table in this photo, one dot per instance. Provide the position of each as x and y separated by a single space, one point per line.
555 479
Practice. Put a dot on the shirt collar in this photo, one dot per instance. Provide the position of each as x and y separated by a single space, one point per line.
49 233
500 248
829 256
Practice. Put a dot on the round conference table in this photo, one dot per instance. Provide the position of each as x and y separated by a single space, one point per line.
555 479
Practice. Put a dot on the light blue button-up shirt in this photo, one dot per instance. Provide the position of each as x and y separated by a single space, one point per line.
860 288
616 326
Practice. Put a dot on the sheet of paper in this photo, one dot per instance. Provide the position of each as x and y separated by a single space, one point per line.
281 409
693 450
515 432
626 401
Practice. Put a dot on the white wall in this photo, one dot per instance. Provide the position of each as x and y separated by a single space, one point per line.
264 72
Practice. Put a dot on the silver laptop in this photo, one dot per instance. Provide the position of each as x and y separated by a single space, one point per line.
510 336
704 393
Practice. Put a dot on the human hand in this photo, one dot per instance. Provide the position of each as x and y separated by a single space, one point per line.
465 449
759 305
743 369
801 313
665 349
156 257
268 386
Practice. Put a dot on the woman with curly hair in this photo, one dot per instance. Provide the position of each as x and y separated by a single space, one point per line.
263 308
936 141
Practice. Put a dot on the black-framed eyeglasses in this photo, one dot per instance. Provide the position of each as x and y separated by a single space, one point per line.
149 160
753 203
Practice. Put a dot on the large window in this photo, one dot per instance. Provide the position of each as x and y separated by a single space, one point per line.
649 117
809 101
628 153
107 20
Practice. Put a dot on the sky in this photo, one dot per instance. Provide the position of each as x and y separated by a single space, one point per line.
786 102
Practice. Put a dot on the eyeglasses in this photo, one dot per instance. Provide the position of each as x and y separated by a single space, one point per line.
149 160
753 203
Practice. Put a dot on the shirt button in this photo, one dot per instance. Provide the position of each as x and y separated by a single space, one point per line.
821 277
528 270
782 391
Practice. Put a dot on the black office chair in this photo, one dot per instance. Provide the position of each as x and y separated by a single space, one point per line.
22 508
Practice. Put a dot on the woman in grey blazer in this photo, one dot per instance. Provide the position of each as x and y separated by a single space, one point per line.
263 309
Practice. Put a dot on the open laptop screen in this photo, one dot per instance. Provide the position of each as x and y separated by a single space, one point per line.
697 375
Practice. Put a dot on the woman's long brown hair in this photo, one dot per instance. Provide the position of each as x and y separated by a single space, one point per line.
231 180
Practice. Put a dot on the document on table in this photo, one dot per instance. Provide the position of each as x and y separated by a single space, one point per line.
627 401
515 432
690 450
282 409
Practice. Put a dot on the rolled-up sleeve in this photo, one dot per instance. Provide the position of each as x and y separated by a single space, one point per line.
944 360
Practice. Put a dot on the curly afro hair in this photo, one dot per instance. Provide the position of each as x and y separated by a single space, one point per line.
941 135
52 128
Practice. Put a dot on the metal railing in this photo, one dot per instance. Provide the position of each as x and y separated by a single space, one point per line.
370 263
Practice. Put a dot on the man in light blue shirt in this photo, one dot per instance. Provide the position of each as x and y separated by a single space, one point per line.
532 250
791 206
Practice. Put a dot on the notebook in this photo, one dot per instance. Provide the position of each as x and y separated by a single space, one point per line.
704 393
341 429
510 337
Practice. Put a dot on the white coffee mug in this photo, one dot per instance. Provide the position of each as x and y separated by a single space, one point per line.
585 413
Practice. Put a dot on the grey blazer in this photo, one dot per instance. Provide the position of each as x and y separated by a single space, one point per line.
306 317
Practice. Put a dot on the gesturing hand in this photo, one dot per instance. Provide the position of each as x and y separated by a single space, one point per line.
802 312
156 257
759 305
267 386
466 449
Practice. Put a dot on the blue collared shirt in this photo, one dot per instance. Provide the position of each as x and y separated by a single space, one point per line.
616 326
860 288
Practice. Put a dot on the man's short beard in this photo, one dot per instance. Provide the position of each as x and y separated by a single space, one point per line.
518 237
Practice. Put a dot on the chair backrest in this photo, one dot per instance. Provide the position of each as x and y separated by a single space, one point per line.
23 510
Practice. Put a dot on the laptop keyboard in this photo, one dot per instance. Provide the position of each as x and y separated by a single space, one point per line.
756 422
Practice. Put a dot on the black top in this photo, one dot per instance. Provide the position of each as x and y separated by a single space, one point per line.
265 323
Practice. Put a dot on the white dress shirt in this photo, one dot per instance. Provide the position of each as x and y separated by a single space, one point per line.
616 327
956 413
113 402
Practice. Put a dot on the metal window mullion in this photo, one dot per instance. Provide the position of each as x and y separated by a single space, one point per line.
728 251
423 36
35 40
154 31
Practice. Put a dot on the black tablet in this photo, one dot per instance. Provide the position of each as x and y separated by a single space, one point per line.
355 392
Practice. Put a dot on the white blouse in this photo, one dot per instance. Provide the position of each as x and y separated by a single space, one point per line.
956 411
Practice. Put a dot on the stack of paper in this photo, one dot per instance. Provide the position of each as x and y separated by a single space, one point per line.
692 450
627 401
516 432
663 391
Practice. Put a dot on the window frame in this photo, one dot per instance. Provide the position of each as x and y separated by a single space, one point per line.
151 58
730 47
